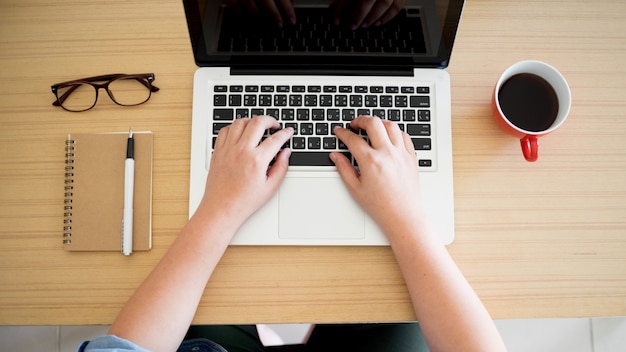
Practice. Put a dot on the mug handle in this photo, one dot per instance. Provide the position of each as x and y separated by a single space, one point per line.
530 147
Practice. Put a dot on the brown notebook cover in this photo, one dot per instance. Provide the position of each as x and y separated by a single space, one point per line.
94 191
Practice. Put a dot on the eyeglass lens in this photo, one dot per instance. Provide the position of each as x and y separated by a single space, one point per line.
129 91
123 91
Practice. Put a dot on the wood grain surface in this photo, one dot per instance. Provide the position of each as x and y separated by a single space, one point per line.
544 239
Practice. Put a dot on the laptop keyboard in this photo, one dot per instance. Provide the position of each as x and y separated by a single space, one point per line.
314 111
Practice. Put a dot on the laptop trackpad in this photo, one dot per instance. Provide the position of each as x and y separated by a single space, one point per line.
312 208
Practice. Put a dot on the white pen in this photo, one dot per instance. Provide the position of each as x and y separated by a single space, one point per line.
129 187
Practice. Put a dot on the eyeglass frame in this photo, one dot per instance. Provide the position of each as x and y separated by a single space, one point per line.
146 80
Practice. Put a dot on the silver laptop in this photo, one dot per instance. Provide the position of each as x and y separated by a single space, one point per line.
313 76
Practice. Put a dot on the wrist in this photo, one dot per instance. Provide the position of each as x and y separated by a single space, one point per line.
215 220
413 223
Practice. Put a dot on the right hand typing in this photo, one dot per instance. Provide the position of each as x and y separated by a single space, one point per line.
387 182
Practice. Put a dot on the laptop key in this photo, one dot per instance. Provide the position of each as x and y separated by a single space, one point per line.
348 114
333 115
420 101
223 114
234 100
318 114
299 158
298 143
356 100
220 100
418 129
329 143
408 115
275 113
371 100
421 143
425 162
306 129
394 115
217 126
241 113
314 143
423 115
265 100
302 115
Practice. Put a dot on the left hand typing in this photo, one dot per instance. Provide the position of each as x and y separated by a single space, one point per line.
240 179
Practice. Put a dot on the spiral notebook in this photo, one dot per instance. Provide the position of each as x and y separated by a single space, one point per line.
94 191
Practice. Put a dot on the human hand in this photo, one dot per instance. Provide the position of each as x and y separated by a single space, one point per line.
279 10
240 178
364 13
387 183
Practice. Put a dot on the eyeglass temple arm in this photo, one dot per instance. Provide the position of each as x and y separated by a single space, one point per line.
62 98
148 85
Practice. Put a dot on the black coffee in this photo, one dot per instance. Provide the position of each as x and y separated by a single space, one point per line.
529 102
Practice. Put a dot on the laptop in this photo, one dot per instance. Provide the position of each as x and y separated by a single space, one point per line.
314 75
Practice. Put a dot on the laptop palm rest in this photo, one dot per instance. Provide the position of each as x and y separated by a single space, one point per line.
318 208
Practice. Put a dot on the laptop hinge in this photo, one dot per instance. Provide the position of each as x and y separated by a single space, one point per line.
323 71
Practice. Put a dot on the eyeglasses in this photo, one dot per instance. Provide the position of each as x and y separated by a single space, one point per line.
123 89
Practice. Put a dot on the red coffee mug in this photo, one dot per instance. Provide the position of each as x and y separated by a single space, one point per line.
529 139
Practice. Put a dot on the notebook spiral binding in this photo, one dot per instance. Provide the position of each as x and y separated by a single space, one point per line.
69 191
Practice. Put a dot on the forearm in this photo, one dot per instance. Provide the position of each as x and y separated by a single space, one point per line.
240 181
161 309
451 315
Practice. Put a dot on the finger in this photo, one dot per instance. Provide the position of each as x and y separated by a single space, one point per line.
338 8
256 128
359 13
374 128
394 132
392 11
235 130
355 143
222 136
348 173
272 144
376 12
278 170
287 9
408 143
249 7
269 7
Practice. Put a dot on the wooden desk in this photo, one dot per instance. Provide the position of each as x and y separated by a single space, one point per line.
535 240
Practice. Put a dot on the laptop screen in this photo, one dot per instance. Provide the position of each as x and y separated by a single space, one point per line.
316 35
